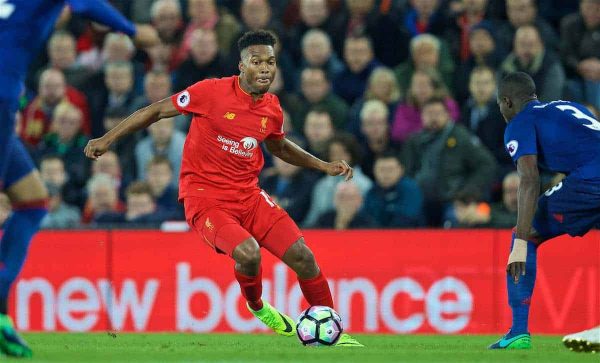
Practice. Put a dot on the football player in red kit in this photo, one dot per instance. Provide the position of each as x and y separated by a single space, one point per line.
221 162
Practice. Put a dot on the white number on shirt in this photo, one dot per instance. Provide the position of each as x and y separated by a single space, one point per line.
594 124
6 9
267 198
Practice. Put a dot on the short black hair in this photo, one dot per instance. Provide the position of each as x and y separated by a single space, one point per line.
517 86
258 37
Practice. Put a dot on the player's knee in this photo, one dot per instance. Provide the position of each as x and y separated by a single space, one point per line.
28 189
301 258
247 253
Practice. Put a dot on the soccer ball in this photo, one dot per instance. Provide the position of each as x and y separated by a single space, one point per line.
319 326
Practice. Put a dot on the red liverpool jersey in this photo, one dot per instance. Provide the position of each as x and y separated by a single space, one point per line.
222 156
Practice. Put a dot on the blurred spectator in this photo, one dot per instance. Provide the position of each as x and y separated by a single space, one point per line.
424 85
504 214
204 61
160 179
467 211
167 19
347 212
67 141
593 110
446 160
62 53
580 46
395 200
462 23
115 90
204 14
483 52
359 61
163 140
52 171
52 90
426 53
157 85
102 197
341 147
382 86
529 55
481 115
316 92
256 15
123 146
314 14
60 214
110 164
290 187
521 13
375 131
317 53
120 48
5 208
140 208
424 17
382 24
161 58
318 130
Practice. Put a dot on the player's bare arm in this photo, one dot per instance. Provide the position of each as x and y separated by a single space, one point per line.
529 191
137 121
291 153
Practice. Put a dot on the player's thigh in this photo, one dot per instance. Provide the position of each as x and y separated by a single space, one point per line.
22 181
218 227
546 225
272 227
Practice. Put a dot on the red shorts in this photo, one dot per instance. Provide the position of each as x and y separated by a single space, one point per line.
225 224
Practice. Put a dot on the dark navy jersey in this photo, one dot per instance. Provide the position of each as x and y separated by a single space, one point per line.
26 24
564 135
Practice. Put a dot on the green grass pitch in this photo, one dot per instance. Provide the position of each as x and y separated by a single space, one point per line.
163 348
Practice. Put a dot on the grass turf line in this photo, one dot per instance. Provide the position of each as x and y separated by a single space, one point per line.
163 348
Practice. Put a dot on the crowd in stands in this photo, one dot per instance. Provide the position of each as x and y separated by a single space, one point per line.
404 90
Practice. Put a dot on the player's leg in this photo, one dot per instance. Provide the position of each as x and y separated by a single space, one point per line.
7 131
218 224
284 240
28 196
545 227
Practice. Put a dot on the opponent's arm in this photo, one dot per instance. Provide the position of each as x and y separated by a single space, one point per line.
529 191
138 120
104 13
293 154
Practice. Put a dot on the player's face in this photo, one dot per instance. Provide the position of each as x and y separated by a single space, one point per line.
258 68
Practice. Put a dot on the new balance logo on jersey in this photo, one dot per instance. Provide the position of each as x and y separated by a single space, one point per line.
229 115
242 148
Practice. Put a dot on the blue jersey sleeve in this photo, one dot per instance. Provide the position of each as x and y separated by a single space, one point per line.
520 138
102 12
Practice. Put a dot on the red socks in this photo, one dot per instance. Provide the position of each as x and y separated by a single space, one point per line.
251 287
316 291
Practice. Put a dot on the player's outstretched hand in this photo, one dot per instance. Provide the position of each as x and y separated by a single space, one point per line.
96 147
145 36
339 167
